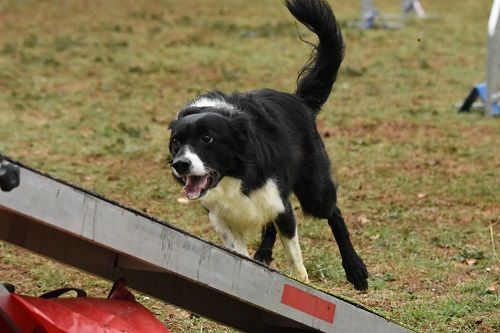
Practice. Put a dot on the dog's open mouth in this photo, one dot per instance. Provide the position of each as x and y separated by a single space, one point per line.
196 186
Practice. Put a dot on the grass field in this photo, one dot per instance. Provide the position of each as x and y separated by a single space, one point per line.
87 89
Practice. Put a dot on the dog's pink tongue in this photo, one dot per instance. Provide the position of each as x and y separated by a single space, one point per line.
194 186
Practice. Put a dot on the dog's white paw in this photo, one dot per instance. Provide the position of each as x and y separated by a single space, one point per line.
301 274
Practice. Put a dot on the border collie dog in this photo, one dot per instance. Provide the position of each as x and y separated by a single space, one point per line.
243 154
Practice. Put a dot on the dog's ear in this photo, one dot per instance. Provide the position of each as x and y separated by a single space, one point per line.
172 124
245 139
183 113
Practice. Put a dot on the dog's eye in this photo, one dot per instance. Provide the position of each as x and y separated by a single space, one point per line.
174 145
207 139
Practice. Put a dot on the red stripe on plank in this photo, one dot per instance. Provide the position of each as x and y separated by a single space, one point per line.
308 303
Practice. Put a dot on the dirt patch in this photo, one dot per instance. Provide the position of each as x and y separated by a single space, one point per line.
393 131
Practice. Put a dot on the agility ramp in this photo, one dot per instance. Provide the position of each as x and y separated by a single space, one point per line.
81 229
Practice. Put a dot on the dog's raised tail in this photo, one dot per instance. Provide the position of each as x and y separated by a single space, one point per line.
316 78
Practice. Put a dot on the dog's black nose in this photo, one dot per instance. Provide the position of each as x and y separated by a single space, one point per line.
181 166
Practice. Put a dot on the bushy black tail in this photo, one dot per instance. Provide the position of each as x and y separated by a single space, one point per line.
316 78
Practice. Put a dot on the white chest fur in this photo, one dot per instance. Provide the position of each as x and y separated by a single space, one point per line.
244 214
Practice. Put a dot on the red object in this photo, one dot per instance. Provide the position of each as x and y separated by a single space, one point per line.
120 313
308 303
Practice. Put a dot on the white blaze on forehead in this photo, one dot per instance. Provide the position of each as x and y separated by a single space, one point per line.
197 165
213 102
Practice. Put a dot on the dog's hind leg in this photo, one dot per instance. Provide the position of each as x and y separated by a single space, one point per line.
265 251
318 197
354 267
287 231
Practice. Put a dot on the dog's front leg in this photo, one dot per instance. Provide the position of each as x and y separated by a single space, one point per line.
231 240
265 251
287 231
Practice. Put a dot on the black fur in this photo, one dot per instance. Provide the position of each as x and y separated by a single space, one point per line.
273 135
316 78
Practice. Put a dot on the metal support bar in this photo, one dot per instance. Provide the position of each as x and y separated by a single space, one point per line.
493 63
489 91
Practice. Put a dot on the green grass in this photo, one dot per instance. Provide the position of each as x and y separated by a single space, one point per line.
87 90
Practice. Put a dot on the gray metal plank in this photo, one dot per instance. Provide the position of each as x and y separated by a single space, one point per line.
91 233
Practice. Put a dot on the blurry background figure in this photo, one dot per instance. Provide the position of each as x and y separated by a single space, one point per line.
372 18
489 91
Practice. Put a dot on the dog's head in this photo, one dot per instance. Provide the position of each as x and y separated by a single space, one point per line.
207 143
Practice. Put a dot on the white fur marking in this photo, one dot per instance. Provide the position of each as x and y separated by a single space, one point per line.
244 215
215 103
294 254
175 173
197 165
230 239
